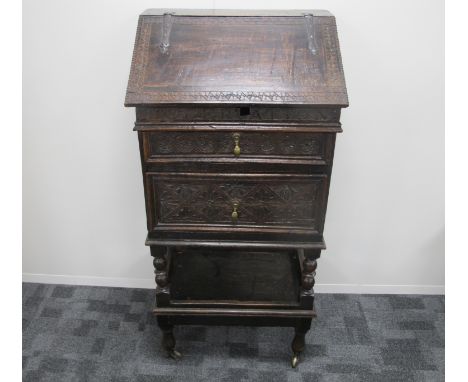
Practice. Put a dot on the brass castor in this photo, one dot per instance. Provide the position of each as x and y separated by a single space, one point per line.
174 354
294 360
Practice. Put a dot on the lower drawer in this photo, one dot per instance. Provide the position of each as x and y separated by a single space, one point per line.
208 202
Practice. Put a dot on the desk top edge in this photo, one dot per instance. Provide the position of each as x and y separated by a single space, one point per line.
237 12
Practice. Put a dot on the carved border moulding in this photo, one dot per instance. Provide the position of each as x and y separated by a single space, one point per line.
225 114
332 60
140 56
240 96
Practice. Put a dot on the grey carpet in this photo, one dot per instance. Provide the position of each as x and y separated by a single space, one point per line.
79 333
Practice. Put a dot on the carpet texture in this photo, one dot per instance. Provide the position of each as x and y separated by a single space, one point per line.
79 333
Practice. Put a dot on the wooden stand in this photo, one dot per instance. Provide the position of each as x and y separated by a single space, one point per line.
234 287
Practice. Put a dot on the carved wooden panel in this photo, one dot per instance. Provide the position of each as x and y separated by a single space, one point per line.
253 60
255 113
295 201
222 143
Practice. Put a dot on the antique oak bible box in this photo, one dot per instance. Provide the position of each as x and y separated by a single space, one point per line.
236 114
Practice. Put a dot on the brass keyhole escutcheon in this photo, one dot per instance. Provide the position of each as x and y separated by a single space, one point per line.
237 149
235 214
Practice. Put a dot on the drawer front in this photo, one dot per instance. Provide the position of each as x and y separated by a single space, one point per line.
288 201
235 144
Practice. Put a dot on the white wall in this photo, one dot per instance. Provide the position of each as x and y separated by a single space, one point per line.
83 212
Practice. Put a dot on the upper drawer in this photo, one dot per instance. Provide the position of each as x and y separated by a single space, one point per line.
238 144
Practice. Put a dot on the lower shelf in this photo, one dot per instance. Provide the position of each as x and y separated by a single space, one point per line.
233 278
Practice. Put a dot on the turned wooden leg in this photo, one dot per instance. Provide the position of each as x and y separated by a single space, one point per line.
168 340
309 267
308 259
161 262
298 343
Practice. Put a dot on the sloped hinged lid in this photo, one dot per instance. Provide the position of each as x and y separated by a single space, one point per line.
220 57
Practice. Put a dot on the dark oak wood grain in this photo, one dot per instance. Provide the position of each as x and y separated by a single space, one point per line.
252 113
218 276
207 202
256 59
199 143
237 114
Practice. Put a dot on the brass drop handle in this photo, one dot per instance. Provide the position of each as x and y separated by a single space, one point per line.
235 214
237 149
